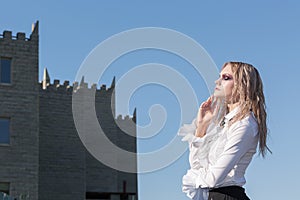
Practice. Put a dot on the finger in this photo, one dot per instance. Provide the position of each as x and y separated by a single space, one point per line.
203 105
208 102
209 99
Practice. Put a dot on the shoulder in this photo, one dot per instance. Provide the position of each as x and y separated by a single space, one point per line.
248 125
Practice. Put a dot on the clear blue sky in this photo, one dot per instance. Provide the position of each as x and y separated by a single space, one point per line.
264 33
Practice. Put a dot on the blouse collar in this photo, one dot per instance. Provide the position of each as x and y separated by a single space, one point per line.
231 114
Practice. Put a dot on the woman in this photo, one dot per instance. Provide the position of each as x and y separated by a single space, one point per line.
224 136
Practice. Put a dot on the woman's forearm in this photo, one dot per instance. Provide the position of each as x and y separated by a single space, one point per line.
201 129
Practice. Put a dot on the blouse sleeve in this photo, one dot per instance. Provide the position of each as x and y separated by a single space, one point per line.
199 146
240 139
187 131
198 158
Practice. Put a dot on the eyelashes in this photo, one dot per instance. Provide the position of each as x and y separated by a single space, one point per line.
226 77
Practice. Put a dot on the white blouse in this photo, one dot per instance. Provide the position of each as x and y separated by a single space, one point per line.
221 157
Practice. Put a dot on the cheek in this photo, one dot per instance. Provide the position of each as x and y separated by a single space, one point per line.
228 87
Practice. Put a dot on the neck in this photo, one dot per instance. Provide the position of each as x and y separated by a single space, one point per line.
232 106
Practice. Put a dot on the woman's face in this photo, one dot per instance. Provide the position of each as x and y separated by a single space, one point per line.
225 83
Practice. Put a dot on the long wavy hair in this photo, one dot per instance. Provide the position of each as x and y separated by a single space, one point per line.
248 92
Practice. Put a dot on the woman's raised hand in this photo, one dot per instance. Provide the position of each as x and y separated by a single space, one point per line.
206 113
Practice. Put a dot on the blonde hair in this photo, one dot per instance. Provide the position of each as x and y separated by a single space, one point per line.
248 92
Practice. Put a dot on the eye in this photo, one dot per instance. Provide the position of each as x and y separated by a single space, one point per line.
226 77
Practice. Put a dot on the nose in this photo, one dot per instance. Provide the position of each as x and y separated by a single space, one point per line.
218 81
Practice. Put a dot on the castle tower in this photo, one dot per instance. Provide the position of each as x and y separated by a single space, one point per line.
19 150
42 156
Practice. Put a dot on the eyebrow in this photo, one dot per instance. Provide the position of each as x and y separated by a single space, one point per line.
225 74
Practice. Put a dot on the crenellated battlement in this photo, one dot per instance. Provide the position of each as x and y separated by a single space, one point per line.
47 128
127 117
57 86
66 88
7 35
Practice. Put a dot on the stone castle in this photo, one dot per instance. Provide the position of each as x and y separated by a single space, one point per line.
41 154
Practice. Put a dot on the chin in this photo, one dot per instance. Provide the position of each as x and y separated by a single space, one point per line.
218 94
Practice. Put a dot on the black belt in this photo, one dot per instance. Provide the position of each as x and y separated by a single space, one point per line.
233 191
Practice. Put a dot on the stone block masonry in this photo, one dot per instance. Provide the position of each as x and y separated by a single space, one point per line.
45 158
19 103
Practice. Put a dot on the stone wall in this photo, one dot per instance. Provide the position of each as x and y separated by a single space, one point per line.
67 169
19 102
46 158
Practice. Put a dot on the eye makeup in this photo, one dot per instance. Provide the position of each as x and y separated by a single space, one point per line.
226 77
